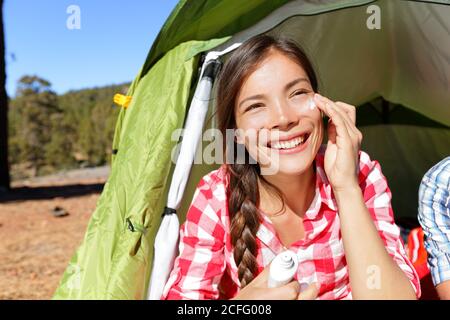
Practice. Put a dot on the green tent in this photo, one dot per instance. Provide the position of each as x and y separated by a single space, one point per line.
391 58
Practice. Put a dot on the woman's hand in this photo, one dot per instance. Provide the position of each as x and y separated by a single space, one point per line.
344 141
258 290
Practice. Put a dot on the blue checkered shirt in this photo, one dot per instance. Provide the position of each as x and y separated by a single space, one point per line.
434 217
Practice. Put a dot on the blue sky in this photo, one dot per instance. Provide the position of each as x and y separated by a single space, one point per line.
110 47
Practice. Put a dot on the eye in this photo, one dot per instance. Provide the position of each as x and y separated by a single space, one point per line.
300 92
253 106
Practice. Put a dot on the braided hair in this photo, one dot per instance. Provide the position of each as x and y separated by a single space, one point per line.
244 178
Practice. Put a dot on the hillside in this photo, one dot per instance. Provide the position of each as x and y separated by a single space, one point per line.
50 132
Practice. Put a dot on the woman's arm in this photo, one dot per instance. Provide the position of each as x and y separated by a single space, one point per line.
374 274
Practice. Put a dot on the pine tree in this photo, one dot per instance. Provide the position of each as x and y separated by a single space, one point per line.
36 103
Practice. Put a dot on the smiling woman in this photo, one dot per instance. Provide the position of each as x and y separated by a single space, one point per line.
329 204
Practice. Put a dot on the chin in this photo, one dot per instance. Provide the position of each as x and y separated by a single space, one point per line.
292 167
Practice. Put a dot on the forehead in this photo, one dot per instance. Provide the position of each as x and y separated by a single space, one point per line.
272 74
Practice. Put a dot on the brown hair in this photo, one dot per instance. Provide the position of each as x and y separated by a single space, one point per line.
243 191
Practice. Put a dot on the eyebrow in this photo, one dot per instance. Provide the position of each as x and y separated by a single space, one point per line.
286 87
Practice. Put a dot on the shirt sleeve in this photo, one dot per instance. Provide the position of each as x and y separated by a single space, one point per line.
201 263
377 197
434 217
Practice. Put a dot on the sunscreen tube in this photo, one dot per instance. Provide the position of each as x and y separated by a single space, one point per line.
282 269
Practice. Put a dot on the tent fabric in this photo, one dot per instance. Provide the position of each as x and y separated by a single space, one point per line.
166 241
205 20
406 62
113 261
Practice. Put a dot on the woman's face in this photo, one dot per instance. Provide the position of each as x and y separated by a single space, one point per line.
276 118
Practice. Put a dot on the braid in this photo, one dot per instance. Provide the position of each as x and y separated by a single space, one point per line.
245 222
243 189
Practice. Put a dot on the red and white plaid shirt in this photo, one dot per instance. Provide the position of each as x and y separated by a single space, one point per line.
205 267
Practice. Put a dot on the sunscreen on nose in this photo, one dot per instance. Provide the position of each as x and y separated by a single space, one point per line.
282 269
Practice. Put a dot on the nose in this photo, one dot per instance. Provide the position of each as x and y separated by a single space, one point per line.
282 117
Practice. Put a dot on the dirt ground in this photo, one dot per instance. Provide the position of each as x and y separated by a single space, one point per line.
36 246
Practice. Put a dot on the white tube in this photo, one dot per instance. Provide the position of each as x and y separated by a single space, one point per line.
167 238
282 269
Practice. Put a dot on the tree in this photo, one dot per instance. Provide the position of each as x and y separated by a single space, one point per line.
4 166
36 106
49 132
58 152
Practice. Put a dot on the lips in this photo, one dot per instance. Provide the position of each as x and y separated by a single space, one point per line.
290 141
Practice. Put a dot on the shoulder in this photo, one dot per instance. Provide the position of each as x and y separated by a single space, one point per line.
369 169
372 181
434 192
439 174
209 200
213 184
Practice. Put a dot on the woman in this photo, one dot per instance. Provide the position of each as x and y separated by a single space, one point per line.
329 204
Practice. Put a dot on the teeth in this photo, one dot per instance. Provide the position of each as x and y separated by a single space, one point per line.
288 144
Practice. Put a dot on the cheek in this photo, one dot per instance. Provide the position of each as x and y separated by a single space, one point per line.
247 128
319 127
316 116
254 121
304 110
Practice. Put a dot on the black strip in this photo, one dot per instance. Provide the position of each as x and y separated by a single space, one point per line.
130 225
168 211
211 69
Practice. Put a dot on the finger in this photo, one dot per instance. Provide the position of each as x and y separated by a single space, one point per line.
348 114
327 106
320 102
349 109
349 119
354 134
350 123
261 278
289 291
310 293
